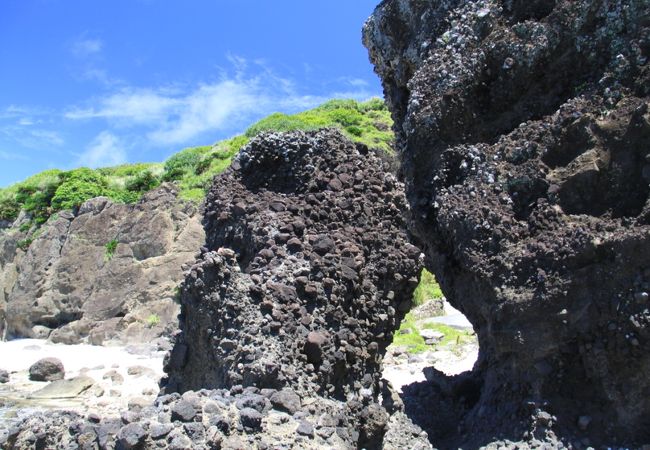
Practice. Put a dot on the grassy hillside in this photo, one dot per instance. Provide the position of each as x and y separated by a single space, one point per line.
50 191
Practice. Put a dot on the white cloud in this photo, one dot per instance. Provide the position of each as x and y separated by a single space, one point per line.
8 156
105 150
85 47
178 114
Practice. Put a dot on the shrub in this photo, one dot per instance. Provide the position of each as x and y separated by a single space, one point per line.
142 182
78 186
427 289
110 248
9 209
24 244
183 163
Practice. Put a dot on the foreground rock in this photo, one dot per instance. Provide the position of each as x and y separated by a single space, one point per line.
286 315
306 273
524 133
108 273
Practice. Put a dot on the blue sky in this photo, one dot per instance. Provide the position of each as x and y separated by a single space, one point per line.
102 82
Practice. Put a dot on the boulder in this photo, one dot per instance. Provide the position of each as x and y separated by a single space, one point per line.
47 369
523 130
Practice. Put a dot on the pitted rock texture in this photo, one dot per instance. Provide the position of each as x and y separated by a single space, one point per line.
524 137
69 287
306 273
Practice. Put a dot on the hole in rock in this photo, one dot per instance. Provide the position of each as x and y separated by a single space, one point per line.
431 359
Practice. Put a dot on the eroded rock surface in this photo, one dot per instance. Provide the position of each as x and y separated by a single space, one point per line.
306 273
524 136
110 272
286 314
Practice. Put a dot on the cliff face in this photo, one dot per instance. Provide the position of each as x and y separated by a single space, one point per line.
524 136
110 272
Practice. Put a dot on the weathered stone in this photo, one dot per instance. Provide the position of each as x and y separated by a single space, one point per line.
250 418
47 369
68 287
4 376
64 388
184 411
131 436
286 400
522 129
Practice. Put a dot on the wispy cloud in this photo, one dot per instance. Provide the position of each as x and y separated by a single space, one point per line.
9 156
84 47
176 116
105 150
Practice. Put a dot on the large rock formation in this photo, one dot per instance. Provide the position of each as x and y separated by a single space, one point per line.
524 133
306 273
110 272
286 314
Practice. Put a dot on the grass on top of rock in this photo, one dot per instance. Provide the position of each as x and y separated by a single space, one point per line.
408 335
45 193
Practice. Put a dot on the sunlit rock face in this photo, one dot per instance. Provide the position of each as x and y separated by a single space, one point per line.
524 136
100 274
306 273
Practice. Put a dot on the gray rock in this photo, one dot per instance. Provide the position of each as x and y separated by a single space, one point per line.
47 369
4 376
131 436
250 418
71 388
305 429
160 430
183 410
286 400
67 280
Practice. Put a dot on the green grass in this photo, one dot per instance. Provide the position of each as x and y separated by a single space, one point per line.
153 320
109 249
193 169
428 288
414 342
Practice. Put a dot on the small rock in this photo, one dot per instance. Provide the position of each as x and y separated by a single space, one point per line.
313 347
305 429
432 335
250 418
184 411
47 369
286 400
405 331
4 376
114 376
160 430
131 435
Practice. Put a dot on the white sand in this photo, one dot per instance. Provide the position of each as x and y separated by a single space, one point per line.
106 397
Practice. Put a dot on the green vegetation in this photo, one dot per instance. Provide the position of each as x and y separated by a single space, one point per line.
414 342
42 195
153 320
24 244
427 289
110 248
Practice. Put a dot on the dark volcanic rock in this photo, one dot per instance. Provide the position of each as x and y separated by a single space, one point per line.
524 136
306 295
47 369
4 376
